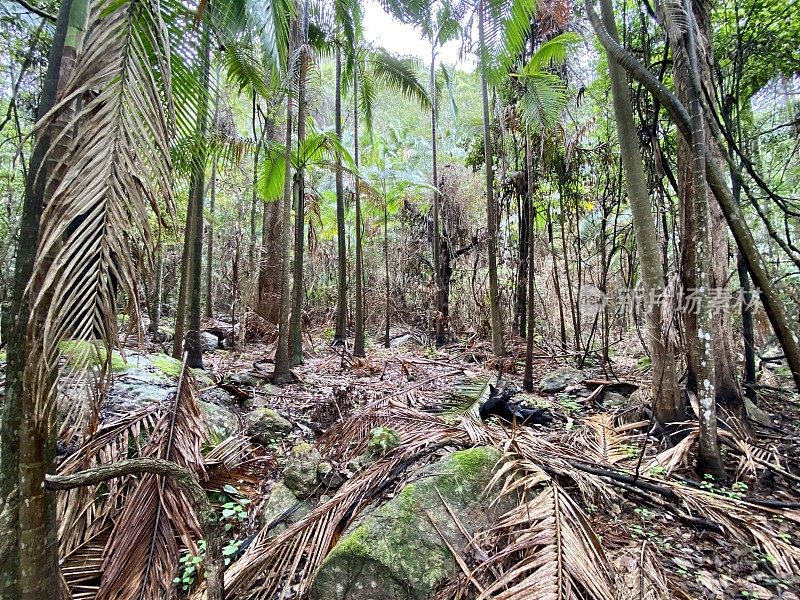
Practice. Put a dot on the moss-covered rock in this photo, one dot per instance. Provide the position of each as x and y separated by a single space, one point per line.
300 474
166 364
397 552
267 426
283 508
221 423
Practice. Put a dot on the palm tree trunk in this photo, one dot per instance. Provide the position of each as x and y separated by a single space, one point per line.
491 212
440 307
180 309
40 560
212 199
296 324
340 333
358 345
282 374
667 402
194 348
527 379
387 321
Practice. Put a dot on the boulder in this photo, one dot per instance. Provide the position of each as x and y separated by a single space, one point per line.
209 341
614 400
221 423
267 426
329 476
283 508
397 552
300 474
557 380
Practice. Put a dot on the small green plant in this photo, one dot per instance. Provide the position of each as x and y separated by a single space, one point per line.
381 440
656 471
234 507
569 403
189 565
708 483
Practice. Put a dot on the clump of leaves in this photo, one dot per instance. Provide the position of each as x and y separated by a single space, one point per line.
234 507
381 440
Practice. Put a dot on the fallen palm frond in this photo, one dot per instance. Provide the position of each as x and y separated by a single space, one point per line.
104 528
602 440
640 576
142 553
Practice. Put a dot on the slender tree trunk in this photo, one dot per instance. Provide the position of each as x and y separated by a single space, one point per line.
340 334
387 321
666 395
194 348
67 41
556 284
709 459
296 323
155 298
440 318
527 379
358 345
180 309
282 373
491 210
212 199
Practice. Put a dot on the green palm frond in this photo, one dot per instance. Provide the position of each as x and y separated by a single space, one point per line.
399 74
271 19
543 100
506 29
552 52
244 69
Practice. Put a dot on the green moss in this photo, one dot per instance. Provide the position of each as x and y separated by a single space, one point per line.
166 364
355 544
474 461
3 356
81 353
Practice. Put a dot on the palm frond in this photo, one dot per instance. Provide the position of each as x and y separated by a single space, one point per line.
142 553
115 170
543 100
552 52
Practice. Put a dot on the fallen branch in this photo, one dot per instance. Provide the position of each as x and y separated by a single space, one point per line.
188 484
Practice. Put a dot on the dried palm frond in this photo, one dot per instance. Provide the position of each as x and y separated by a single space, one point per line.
602 440
141 556
746 523
272 564
85 513
543 548
675 457
109 165
640 576
673 17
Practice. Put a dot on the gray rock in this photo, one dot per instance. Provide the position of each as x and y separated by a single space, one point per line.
221 423
396 553
754 413
267 426
300 474
209 341
328 475
283 508
247 379
559 379
614 400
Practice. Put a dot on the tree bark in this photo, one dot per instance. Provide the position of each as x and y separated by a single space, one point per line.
67 41
340 333
491 210
667 404
527 378
716 179
296 323
358 346
197 187
212 199
282 374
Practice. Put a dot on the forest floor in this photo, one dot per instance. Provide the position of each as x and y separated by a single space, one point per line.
700 557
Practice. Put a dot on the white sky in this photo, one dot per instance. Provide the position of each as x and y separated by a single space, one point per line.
382 30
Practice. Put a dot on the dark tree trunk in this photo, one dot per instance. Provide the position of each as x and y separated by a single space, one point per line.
340 334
